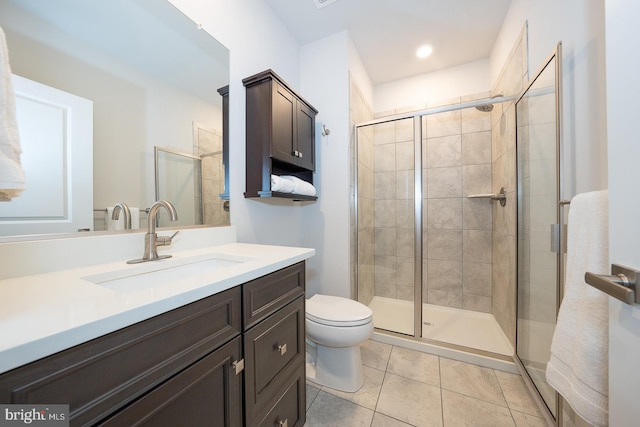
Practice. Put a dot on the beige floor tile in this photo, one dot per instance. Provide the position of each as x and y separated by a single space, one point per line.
461 410
410 401
312 392
375 354
367 396
331 411
526 420
381 420
415 365
516 393
471 380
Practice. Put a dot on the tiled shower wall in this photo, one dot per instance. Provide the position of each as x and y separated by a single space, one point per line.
511 82
456 152
458 239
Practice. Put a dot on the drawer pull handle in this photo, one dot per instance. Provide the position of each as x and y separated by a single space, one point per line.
282 348
283 423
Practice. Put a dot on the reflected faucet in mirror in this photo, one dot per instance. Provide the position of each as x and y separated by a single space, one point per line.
127 214
151 239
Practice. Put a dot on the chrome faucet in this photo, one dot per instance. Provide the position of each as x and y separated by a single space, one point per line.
151 239
115 215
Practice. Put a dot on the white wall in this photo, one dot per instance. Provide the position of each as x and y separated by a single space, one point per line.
325 224
623 33
465 79
257 40
579 25
359 73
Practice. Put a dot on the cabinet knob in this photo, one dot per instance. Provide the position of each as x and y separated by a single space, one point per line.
282 348
282 423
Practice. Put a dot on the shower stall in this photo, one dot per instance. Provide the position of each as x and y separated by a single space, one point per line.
425 223
454 207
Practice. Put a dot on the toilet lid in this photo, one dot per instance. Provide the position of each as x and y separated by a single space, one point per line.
337 311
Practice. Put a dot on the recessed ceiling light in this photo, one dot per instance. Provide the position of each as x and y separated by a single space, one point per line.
424 51
322 3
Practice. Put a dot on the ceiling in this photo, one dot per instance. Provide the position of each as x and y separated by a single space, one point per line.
387 33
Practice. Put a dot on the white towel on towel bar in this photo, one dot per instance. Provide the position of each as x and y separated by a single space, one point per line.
12 180
578 366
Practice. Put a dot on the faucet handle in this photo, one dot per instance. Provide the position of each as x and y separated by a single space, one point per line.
165 240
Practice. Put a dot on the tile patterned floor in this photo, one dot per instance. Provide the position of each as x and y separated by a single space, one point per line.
408 388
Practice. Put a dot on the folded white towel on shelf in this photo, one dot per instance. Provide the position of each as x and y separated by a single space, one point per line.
578 366
118 224
281 185
292 184
12 180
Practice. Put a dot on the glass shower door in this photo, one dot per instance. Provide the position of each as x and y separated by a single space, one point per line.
386 223
539 259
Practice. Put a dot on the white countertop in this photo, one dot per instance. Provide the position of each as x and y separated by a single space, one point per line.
45 313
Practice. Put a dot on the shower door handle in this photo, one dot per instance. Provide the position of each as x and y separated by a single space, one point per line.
621 284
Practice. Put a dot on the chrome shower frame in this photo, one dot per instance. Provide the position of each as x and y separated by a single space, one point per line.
561 208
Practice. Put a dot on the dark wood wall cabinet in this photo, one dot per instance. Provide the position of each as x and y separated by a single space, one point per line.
235 358
280 135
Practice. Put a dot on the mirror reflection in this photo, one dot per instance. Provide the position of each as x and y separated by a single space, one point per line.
148 77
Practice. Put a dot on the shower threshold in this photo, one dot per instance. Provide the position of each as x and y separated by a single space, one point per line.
449 325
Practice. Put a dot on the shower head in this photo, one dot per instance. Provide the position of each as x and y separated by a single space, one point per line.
486 108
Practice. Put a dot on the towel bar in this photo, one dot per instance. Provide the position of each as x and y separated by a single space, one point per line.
501 195
105 210
621 284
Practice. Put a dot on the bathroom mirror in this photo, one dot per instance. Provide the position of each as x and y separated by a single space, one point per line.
149 71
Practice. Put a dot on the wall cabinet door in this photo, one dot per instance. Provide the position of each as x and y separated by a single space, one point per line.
293 129
305 126
284 144
208 393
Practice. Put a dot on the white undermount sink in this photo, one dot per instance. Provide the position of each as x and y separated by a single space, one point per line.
163 272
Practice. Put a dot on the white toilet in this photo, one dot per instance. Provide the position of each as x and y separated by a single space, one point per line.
335 329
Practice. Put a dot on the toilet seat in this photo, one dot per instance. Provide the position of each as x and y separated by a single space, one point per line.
337 311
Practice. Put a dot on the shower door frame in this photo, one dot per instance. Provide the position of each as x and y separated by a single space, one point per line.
418 203
560 214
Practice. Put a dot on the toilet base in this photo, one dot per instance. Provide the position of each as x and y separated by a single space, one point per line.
338 368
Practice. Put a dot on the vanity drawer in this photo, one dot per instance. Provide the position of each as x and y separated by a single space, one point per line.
266 295
100 376
288 408
274 350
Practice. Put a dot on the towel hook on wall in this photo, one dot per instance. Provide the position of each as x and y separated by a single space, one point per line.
325 131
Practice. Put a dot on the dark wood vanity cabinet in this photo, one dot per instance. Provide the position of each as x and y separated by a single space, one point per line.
280 134
185 367
274 348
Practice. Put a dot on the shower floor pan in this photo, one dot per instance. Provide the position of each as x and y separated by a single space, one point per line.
451 325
